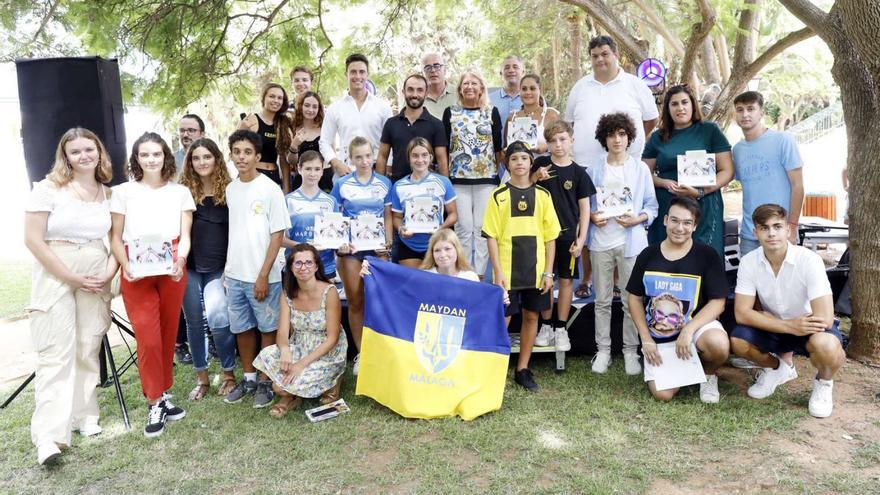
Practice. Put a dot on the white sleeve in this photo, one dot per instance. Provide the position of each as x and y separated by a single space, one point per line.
187 203
745 277
568 116
279 219
118 200
646 102
328 134
41 198
815 277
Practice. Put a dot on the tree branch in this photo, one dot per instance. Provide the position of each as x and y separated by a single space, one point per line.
609 20
809 14
699 33
45 20
746 38
326 37
777 48
657 22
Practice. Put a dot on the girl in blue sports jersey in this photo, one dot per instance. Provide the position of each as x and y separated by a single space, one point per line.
418 202
360 192
307 202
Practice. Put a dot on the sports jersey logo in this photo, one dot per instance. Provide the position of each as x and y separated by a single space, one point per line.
568 185
523 205
438 334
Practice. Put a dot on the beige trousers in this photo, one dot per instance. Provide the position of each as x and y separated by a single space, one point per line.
66 329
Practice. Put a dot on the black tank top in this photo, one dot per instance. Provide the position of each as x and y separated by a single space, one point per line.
267 133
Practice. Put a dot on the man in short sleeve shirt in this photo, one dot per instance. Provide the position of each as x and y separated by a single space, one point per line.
796 315
677 291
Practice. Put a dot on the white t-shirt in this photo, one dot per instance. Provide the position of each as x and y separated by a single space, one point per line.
151 212
256 211
589 100
612 234
787 295
465 274
70 218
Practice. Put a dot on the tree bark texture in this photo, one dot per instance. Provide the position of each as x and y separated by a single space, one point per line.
609 20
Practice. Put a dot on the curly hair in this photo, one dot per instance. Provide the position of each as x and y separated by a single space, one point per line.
169 168
219 177
61 173
610 123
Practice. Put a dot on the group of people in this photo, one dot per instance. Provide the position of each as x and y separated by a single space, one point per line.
508 181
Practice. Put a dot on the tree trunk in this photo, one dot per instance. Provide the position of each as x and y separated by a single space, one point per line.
723 56
746 46
632 50
709 58
574 22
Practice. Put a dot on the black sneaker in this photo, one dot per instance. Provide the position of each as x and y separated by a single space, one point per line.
244 387
525 379
172 412
264 395
155 421
183 354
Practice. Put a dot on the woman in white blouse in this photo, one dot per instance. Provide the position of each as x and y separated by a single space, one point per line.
67 218
149 213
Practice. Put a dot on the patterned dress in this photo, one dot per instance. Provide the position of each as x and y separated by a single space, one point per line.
308 330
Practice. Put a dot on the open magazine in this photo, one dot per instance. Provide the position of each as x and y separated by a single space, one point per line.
696 169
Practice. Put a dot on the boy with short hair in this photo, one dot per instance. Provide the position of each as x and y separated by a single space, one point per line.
257 221
571 189
520 222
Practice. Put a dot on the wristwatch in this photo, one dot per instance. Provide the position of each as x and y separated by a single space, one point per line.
547 274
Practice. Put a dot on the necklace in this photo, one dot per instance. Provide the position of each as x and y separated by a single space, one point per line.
76 190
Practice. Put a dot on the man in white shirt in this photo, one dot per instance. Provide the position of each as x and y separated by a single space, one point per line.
796 312
359 113
609 89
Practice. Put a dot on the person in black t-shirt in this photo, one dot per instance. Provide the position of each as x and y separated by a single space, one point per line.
571 188
682 284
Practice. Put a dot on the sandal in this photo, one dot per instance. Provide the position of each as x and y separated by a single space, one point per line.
226 386
285 405
584 289
199 392
332 395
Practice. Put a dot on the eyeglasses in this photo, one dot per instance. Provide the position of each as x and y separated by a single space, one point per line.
673 318
188 130
430 67
307 264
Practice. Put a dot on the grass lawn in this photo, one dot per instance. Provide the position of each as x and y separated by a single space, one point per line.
15 287
583 433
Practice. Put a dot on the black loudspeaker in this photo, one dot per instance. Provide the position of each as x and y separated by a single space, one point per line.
56 94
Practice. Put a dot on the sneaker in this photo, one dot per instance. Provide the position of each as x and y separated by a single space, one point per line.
47 453
264 395
821 401
561 338
601 361
90 428
769 379
155 421
741 363
172 412
183 354
709 391
631 363
357 365
545 336
244 387
525 379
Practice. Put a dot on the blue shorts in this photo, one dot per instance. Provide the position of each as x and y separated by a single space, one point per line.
245 312
779 343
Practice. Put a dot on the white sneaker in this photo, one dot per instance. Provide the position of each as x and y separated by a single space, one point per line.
47 453
357 365
545 336
601 361
560 336
631 363
709 390
741 363
769 379
90 429
821 401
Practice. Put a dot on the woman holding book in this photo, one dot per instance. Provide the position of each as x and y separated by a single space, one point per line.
365 198
150 210
66 221
308 359
421 203
683 129
527 124
204 303
307 121
275 128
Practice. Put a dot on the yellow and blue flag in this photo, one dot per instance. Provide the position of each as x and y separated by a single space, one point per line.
433 345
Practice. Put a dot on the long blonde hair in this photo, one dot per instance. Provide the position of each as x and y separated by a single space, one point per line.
219 178
62 171
484 92
446 235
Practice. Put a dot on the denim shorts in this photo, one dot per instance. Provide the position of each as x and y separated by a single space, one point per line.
245 312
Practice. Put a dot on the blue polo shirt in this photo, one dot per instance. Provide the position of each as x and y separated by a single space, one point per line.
505 104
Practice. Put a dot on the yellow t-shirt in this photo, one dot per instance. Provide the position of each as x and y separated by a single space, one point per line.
521 221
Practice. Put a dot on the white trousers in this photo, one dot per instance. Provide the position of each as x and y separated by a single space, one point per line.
603 263
471 201
66 329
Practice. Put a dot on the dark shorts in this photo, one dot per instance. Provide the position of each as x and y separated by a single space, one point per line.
529 299
403 252
779 343
564 265
360 255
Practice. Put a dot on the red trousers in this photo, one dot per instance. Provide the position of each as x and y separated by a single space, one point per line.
153 307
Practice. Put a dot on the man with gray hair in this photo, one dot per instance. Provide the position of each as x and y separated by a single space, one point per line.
507 98
441 94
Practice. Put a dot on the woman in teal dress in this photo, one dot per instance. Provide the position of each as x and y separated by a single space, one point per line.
683 129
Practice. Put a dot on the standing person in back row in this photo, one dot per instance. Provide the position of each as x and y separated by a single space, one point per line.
441 95
608 89
768 165
359 113
507 99
275 128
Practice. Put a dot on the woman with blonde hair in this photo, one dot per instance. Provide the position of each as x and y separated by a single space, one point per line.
67 218
444 256
204 302
475 160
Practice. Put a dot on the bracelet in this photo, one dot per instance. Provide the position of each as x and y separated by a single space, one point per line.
546 274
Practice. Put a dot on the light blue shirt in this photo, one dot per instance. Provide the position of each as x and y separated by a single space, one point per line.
433 186
638 178
762 167
303 210
356 197
505 104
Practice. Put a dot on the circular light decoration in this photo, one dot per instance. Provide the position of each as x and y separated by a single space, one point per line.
371 87
652 72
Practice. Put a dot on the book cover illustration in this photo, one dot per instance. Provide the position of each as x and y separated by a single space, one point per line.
422 215
150 256
696 169
368 232
614 201
331 230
